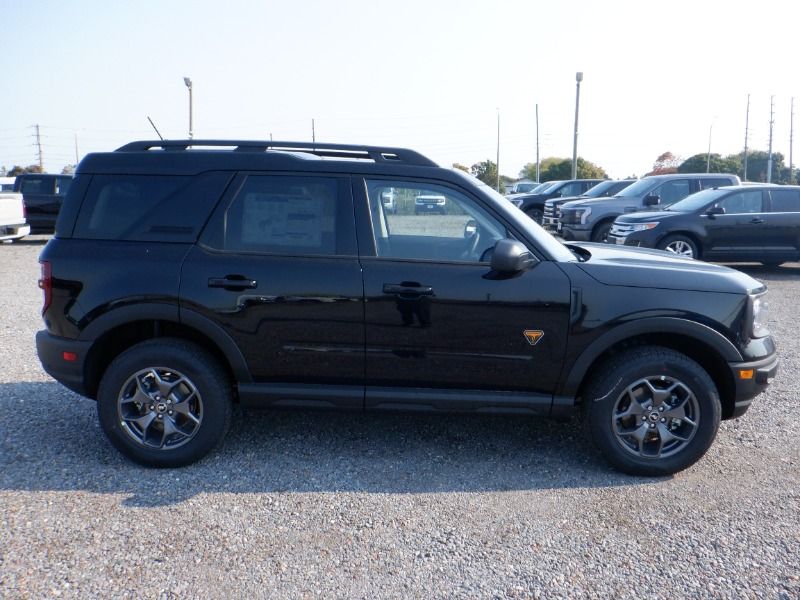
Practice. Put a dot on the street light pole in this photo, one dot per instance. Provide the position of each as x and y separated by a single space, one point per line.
578 79
188 83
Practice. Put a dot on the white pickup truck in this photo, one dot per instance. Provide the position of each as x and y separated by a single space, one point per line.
12 217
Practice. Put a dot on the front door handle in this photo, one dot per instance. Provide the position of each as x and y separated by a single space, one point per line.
232 282
407 288
757 220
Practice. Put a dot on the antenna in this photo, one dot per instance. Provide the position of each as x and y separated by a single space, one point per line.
156 128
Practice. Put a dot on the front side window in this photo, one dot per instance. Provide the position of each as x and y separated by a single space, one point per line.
742 202
672 191
572 189
287 215
431 222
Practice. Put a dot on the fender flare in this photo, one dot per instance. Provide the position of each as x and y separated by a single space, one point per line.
654 325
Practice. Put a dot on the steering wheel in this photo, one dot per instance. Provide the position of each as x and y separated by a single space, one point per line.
472 236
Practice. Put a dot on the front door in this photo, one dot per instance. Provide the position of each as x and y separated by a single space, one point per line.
277 270
442 329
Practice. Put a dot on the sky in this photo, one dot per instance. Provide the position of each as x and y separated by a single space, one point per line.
430 75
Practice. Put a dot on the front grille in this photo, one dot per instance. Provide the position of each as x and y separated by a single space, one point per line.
621 229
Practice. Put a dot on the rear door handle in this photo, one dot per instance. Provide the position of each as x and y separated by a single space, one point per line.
407 289
757 220
232 282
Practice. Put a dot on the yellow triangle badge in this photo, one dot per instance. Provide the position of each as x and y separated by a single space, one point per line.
533 336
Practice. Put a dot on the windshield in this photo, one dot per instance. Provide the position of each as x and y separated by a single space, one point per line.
640 188
525 187
547 186
697 201
531 228
600 189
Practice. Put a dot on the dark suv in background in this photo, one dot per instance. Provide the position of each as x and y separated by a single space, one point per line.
590 220
43 194
604 189
744 223
533 204
184 278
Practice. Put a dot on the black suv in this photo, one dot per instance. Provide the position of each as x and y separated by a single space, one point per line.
739 223
43 194
604 189
533 204
181 280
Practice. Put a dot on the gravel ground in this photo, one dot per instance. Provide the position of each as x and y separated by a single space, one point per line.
301 505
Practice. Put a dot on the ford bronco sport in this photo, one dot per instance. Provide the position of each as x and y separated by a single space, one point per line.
186 276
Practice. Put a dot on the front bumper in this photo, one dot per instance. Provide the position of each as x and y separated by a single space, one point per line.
571 234
64 359
750 379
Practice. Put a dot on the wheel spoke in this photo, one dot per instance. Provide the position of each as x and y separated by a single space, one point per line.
658 395
184 407
634 408
143 422
679 410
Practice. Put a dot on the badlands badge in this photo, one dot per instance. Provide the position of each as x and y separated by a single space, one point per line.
533 336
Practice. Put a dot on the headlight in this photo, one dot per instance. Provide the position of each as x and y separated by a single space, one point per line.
642 226
516 202
758 316
582 215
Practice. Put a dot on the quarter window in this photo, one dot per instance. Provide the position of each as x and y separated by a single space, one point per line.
785 200
430 222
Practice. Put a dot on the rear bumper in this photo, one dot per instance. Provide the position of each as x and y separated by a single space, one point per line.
751 378
64 359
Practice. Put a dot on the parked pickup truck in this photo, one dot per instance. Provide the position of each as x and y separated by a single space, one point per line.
12 217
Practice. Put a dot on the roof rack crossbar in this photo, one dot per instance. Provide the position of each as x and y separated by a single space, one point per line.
375 153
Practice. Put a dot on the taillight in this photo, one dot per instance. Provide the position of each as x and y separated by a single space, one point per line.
46 284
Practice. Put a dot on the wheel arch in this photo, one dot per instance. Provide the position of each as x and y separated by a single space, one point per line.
692 235
710 349
122 328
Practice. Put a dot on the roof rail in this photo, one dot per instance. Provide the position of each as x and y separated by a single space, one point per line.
375 153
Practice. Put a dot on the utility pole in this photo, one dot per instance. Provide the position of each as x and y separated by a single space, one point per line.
537 143
791 144
746 132
498 151
708 156
77 160
313 133
578 79
39 146
188 83
771 123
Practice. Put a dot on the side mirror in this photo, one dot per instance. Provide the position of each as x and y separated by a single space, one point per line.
511 256
470 229
715 210
652 200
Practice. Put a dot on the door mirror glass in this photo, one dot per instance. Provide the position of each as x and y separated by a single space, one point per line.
511 256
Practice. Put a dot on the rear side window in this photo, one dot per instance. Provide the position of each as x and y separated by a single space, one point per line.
785 200
287 215
147 208
62 185
713 182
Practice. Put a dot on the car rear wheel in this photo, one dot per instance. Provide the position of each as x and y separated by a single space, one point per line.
165 403
652 411
680 245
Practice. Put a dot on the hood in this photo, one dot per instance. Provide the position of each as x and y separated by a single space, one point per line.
578 201
642 267
644 217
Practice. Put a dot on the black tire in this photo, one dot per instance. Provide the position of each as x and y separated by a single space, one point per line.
190 410
600 233
535 214
680 245
670 434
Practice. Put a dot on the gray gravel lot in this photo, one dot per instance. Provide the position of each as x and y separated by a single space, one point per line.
300 505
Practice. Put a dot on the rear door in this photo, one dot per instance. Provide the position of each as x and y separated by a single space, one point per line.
782 227
442 330
277 269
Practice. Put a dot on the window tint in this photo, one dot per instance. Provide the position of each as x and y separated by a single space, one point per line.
712 182
431 222
672 191
36 185
148 207
742 202
785 200
572 189
62 185
287 215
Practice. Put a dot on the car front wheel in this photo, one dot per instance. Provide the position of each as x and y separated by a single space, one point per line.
680 245
165 403
652 411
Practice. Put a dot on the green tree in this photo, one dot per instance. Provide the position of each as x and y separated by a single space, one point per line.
551 169
757 166
486 171
702 163
17 170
